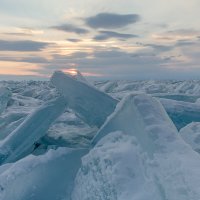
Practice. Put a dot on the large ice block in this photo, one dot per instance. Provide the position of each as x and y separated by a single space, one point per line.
139 154
32 129
91 105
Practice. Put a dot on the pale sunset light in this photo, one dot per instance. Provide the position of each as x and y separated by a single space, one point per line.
72 72
112 40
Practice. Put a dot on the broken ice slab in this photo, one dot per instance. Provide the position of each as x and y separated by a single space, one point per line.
9 123
5 95
181 113
139 147
91 105
47 177
16 145
19 107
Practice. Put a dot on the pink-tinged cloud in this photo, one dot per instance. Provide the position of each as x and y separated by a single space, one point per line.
18 68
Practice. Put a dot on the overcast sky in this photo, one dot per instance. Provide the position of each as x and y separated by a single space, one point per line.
108 39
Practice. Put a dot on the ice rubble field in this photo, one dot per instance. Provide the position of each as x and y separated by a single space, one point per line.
68 139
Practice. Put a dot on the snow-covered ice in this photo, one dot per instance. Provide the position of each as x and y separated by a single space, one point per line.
182 88
47 177
145 157
132 148
191 135
114 169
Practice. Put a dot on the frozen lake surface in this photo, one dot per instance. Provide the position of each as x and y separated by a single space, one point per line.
68 138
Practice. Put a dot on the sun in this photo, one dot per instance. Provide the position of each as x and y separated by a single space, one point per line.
71 71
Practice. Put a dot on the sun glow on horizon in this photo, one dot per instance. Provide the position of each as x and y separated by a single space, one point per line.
71 71
74 72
